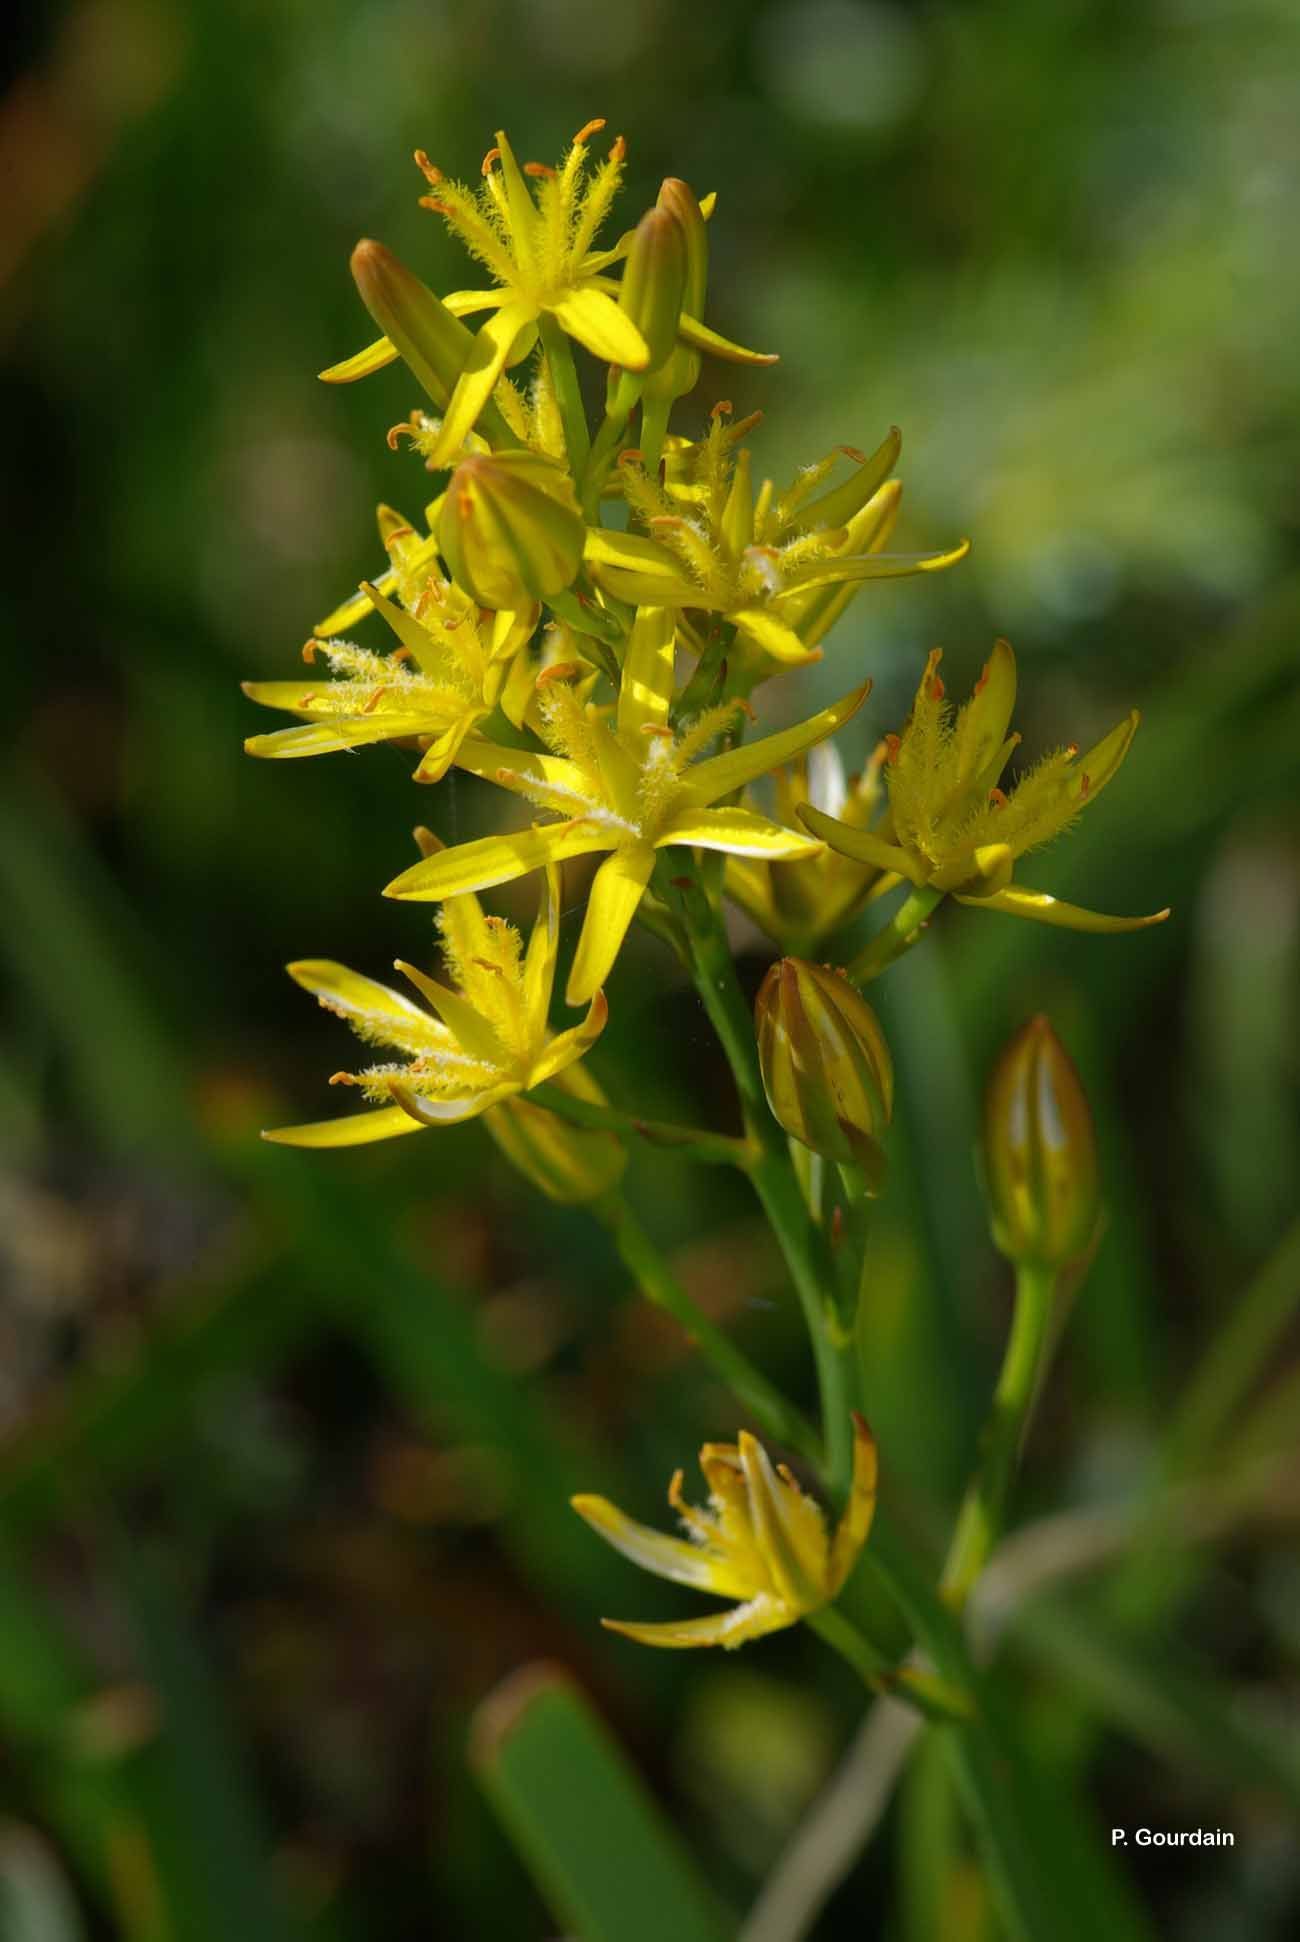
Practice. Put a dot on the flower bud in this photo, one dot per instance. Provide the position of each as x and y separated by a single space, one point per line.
569 1163
511 530
1040 1152
434 344
654 280
826 1067
680 372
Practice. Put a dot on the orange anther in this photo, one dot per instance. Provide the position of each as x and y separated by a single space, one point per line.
428 169
998 798
1085 784
892 745
588 129
1072 749
658 730
486 964
724 407
372 701
746 708
937 689
493 155
558 671
309 650
400 654
432 202
343 1079
618 148
538 168
982 683
852 452
632 456
304 699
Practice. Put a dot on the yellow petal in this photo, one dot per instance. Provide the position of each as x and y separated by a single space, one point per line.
442 752
770 633
653 574
543 948
446 1112
728 1629
646 684
354 1129
513 768
981 727
355 997
591 316
788 1527
406 627
861 1507
355 608
872 566
468 1027
464 303
478 380
1017 901
338 732
565 1047
616 890
693 332
858 844
374 357
495 859
844 502
722 774
741 832
296 696
667 1557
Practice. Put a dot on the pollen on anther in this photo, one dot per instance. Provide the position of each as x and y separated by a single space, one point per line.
309 650
618 148
539 168
998 798
723 408
588 129
493 155
429 170
343 1079
438 208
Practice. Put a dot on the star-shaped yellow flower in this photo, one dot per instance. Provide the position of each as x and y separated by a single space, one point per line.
451 669
761 1540
950 828
485 1040
538 246
628 788
779 566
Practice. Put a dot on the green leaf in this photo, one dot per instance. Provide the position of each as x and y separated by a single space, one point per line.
605 1858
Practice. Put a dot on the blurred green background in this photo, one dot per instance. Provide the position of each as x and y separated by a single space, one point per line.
285 1441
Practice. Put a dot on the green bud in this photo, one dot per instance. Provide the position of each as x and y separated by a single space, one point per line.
654 281
680 373
826 1067
569 1163
1040 1152
433 343
511 530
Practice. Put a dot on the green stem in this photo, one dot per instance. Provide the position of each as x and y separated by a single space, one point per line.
714 1149
602 455
568 393
979 1522
657 1282
934 1697
898 935
802 1242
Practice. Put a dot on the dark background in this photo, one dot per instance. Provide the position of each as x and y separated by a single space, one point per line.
287 1439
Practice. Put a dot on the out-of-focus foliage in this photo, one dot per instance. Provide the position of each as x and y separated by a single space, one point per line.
288 1443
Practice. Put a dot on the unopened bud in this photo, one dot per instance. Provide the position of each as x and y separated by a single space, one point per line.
826 1067
679 373
654 281
1040 1152
568 1163
434 344
511 530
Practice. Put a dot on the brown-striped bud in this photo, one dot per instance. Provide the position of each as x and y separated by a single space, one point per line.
511 530
1040 1152
826 1067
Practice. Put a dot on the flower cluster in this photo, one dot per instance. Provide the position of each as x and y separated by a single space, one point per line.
581 621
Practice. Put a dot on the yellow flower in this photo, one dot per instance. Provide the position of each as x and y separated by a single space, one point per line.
779 566
628 789
950 828
762 1541
452 667
485 1040
538 247
802 903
